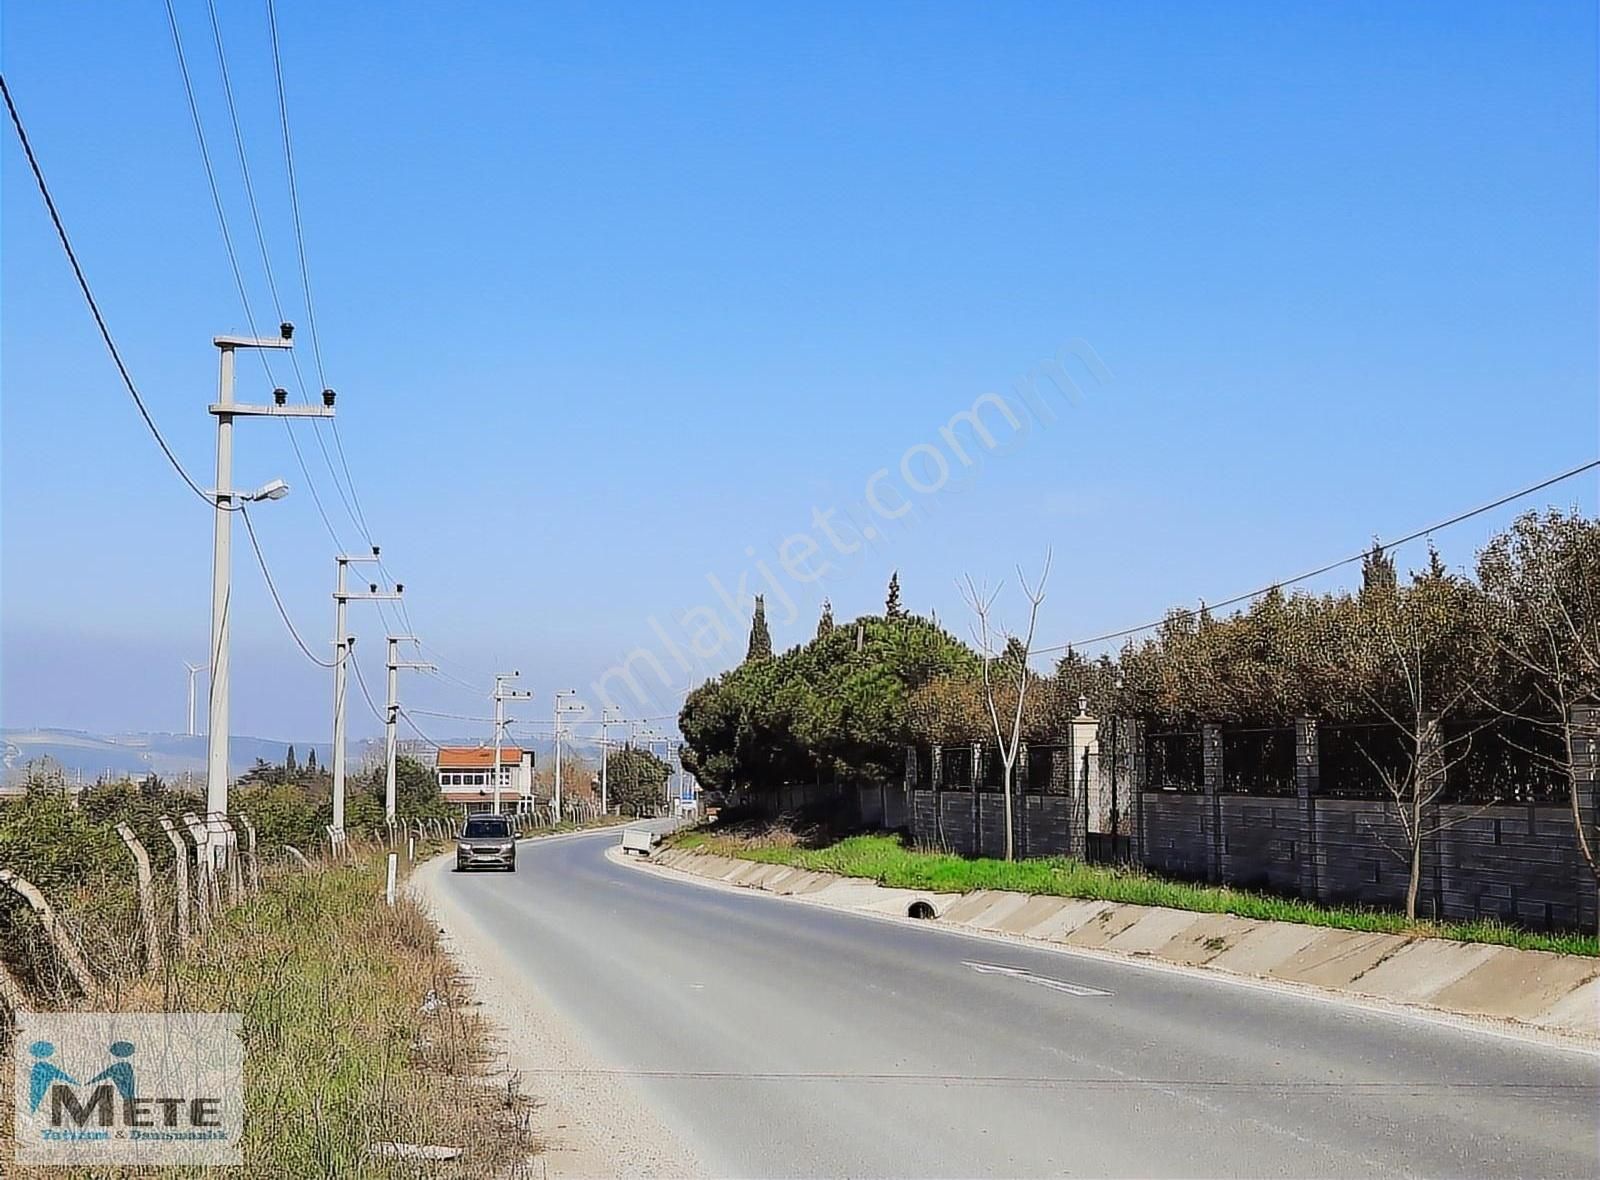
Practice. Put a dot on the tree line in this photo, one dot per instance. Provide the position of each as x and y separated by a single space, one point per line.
1439 662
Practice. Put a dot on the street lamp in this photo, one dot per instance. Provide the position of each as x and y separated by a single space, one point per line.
276 490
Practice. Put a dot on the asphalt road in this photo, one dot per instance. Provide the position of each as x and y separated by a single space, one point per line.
781 1039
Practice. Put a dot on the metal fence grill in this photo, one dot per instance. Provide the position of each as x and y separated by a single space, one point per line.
958 768
1258 761
1041 761
1175 762
1504 760
1355 757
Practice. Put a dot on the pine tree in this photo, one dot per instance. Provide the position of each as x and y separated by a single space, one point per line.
891 608
1437 571
289 762
760 637
825 623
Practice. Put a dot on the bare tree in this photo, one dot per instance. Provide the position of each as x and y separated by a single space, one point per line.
1416 666
1013 656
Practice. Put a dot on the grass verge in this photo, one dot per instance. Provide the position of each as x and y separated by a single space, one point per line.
330 982
888 860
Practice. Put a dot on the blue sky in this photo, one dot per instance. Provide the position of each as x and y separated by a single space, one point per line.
616 298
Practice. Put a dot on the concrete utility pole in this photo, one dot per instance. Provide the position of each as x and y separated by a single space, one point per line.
605 745
392 715
501 696
558 711
343 643
229 501
193 668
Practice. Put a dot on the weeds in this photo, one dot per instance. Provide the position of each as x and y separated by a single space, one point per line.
338 1053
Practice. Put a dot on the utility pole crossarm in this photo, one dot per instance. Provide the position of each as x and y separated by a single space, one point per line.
236 410
253 341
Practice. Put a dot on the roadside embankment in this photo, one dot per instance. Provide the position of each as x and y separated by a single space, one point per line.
1543 990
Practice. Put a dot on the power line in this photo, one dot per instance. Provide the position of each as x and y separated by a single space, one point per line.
362 681
1381 547
407 715
294 193
266 258
88 295
358 515
227 235
282 613
453 716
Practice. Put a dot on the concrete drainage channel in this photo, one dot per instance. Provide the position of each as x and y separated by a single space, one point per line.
1522 992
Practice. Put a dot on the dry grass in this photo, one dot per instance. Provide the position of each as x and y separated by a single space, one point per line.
330 982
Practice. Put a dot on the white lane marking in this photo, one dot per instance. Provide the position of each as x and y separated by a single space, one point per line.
1059 985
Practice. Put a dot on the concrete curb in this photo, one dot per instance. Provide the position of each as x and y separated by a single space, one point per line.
1550 992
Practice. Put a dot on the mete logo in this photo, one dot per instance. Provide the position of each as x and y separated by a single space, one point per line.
116 1081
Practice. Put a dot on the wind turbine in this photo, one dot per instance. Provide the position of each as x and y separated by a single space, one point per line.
193 668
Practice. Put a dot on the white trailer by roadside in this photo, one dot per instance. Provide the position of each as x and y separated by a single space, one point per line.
638 839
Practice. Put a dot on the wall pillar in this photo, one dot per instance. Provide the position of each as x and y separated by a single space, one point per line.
1082 732
977 803
1586 759
1211 759
1307 778
1137 783
1019 795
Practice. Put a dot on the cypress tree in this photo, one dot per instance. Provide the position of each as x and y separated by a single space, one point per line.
891 607
311 761
825 623
289 762
760 637
1377 569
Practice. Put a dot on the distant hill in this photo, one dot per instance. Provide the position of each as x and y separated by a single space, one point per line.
168 755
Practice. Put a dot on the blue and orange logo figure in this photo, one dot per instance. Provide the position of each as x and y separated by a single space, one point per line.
46 1073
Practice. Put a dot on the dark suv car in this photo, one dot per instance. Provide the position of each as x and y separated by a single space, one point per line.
486 840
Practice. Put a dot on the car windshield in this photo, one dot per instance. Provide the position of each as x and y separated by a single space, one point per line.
482 828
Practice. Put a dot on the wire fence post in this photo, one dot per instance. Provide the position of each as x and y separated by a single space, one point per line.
180 863
71 958
204 876
250 847
147 901
223 839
